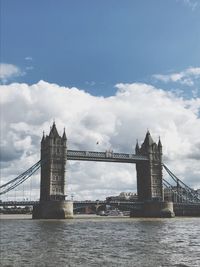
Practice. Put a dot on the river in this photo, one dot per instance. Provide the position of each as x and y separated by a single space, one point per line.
99 241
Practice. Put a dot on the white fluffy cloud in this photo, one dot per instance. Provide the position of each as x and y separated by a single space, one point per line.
8 71
115 122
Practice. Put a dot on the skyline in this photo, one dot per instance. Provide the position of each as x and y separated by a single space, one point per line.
107 71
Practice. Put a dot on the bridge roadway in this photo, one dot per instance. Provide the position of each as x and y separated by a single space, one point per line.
107 156
76 203
180 209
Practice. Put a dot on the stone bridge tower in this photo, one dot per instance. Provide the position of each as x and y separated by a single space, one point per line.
150 181
149 174
54 157
52 187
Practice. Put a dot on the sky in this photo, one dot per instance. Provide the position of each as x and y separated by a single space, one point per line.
106 71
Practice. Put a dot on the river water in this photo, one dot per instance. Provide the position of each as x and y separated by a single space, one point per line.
98 241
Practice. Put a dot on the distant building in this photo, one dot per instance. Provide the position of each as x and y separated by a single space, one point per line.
123 196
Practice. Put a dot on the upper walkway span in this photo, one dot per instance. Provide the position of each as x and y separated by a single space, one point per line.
107 156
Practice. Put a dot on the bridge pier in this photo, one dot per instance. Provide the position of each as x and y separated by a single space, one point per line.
155 209
53 210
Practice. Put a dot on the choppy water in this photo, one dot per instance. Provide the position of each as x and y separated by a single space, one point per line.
101 242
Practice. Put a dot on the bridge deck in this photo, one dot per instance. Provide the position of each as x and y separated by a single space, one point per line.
76 203
104 156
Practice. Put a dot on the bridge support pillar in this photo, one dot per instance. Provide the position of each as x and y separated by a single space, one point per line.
53 210
156 209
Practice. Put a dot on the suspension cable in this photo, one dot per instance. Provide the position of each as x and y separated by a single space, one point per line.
182 196
21 178
187 189
176 179
21 175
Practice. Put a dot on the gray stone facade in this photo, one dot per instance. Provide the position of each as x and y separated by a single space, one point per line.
54 157
52 203
149 174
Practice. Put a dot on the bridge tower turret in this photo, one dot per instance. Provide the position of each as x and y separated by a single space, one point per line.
149 174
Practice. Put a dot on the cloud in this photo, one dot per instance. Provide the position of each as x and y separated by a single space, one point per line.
193 4
9 71
28 58
187 77
99 123
91 83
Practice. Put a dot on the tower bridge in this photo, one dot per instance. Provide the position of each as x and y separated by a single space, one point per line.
150 181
